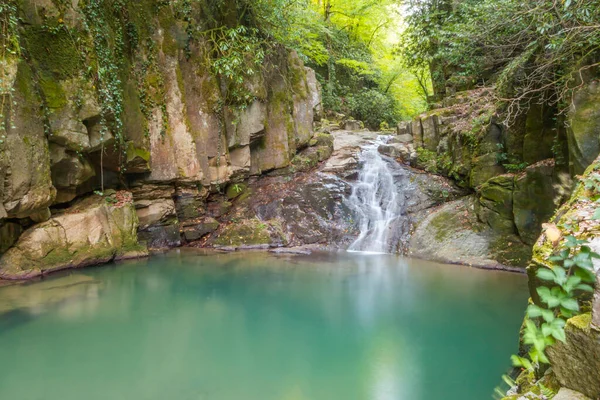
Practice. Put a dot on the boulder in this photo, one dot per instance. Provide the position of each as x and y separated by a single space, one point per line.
404 128
249 233
577 361
404 138
495 206
484 168
351 125
534 200
568 394
404 152
94 230
431 137
451 233
273 150
314 93
201 229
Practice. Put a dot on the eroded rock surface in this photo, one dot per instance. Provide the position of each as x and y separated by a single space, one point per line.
95 230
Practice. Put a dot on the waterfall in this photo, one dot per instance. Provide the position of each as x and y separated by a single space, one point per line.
375 201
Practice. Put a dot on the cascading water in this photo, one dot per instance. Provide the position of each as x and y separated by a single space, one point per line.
375 201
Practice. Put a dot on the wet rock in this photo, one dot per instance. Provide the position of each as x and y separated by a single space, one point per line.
159 237
94 230
452 233
249 233
201 229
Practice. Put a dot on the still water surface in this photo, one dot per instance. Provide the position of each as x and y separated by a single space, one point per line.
189 326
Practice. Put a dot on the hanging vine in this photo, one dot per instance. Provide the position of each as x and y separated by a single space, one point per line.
109 53
9 51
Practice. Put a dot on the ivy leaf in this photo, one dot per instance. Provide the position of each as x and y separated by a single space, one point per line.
596 215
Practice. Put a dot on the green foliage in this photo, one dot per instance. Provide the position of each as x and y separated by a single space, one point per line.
372 107
510 162
237 55
571 274
10 50
533 50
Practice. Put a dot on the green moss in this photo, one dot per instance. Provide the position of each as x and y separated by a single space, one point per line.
135 152
581 321
54 51
24 81
53 92
247 232
235 190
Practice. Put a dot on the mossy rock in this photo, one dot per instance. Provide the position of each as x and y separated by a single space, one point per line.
235 190
250 232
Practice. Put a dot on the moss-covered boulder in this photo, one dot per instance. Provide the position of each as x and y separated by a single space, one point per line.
452 233
95 230
249 233
495 206
576 362
484 168
535 200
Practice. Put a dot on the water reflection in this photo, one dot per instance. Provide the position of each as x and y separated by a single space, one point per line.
252 326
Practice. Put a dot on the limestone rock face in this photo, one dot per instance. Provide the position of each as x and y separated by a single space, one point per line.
25 184
576 363
93 231
596 304
568 394
245 126
584 125
534 200
9 233
68 171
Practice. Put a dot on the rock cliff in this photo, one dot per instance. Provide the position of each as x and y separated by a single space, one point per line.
97 99
518 174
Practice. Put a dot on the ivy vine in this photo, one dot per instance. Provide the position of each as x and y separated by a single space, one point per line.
9 50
